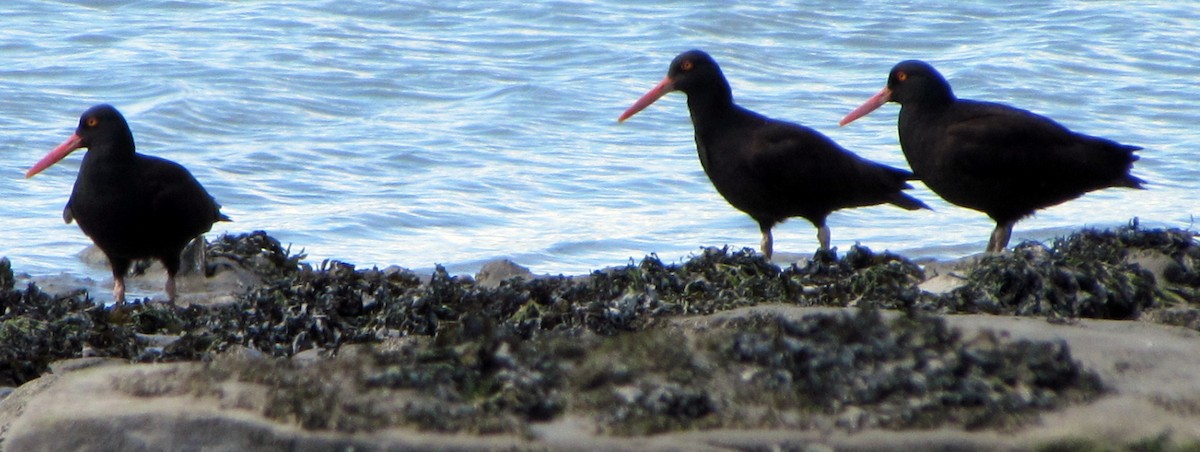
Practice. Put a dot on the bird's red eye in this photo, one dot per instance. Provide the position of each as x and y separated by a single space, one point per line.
686 65
91 122
901 76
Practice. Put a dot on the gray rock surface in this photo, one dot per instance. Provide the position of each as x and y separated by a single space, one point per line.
497 271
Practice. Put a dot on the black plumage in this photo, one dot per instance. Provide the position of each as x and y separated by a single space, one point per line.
770 169
133 206
990 157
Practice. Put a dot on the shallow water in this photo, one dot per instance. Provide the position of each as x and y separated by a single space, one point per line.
416 133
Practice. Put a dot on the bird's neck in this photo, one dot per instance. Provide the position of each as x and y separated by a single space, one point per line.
932 97
110 153
115 147
714 100
930 104
919 125
713 115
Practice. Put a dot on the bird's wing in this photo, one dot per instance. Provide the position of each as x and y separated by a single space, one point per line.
997 141
791 157
180 197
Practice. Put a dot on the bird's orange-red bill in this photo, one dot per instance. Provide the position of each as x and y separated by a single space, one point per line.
870 105
661 89
58 153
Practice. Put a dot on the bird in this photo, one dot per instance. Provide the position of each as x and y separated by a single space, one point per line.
770 169
133 206
994 158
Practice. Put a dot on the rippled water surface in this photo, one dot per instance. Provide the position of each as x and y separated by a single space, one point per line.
415 133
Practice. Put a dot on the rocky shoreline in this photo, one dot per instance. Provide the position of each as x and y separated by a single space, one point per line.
1031 348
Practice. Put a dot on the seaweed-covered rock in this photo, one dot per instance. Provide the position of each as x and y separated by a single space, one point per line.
297 307
257 251
861 278
910 372
849 369
6 275
716 279
452 355
1034 280
647 382
37 329
1178 250
1092 274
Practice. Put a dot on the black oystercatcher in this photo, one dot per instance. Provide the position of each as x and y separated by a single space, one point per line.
133 206
1002 161
770 169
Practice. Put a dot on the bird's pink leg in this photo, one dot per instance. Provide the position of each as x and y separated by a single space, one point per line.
119 290
1000 237
768 243
170 288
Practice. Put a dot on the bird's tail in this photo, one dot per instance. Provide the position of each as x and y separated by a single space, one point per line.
907 202
1129 180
